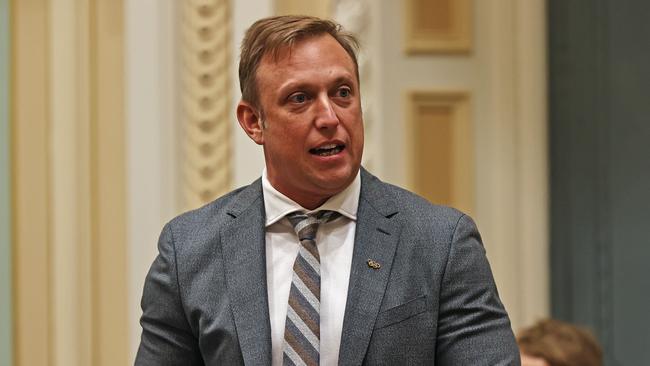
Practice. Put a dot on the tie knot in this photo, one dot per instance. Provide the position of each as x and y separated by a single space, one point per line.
306 225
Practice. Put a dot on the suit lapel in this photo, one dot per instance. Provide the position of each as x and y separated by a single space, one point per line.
376 239
245 270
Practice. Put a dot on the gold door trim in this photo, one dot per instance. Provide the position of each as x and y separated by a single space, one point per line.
440 148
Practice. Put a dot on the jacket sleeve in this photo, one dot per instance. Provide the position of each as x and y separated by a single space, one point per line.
473 326
167 338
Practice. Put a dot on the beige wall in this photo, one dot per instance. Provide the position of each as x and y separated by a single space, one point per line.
151 124
317 8
69 201
248 161
31 197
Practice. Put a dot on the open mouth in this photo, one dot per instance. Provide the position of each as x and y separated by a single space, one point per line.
327 150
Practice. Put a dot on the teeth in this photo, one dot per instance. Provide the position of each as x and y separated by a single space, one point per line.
328 152
327 147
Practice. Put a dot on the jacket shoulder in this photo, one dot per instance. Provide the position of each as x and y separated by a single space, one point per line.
205 222
410 206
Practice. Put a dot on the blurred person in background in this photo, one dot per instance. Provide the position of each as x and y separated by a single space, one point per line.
551 342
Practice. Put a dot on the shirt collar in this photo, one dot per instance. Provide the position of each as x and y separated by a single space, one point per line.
277 205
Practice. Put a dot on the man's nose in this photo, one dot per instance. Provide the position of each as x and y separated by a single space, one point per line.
325 115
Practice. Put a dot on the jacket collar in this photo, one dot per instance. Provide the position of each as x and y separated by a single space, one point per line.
376 239
243 241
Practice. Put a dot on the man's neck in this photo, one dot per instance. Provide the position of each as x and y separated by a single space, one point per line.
308 201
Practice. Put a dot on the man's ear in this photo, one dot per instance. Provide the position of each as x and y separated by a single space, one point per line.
249 119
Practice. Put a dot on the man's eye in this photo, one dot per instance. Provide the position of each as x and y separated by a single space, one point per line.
298 98
344 92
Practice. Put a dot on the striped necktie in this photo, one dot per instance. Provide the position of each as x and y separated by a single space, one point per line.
302 328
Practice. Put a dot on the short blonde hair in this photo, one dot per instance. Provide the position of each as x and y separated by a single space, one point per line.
273 34
560 344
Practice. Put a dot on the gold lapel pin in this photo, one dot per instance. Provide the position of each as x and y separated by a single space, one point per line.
373 264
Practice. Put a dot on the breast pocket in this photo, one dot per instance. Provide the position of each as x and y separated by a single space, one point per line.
401 312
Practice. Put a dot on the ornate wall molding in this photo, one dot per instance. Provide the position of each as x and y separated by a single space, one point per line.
205 97
440 140
319 8
440 26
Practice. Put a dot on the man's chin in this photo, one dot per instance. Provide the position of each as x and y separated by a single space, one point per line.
336 181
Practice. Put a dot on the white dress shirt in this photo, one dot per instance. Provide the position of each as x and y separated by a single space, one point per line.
335 241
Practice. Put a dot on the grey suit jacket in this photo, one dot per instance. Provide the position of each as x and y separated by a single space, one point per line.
432 301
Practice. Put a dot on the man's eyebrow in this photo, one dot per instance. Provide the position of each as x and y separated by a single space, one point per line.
344 79
294 84
298 84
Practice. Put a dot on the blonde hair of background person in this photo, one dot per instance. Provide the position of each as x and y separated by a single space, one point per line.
551 342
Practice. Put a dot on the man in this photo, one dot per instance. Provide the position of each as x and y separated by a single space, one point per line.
375 274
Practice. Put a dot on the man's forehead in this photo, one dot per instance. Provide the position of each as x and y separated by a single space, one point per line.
317 59
284 52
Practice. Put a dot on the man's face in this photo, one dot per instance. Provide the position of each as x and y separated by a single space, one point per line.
311 116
